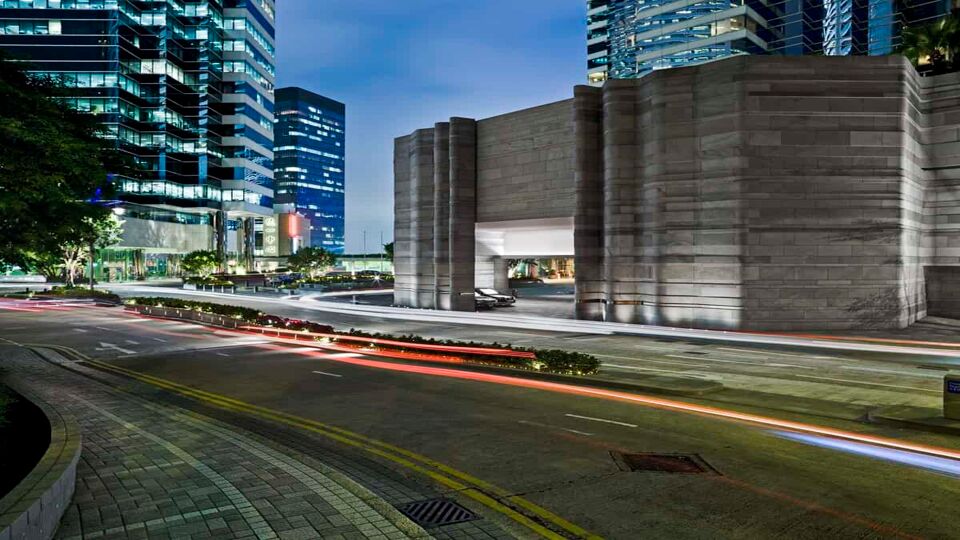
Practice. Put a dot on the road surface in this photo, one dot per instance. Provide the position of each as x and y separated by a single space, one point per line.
564 452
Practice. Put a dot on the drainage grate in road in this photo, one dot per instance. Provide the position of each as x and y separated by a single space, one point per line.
436 512
666 463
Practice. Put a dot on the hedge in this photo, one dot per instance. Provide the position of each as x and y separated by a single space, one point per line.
552 360
80 292
208 280
237 312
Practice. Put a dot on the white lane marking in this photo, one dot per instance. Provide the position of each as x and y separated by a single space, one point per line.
706 359
327 374
132 342
914 388
161 340
81 330
104 346
775 353
685 373
774 364
102 328
538 424
222 354
604 420
343 355
117 321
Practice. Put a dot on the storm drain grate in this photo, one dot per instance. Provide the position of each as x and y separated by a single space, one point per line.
436 512
666 463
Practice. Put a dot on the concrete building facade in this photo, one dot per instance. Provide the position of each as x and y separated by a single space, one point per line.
778 193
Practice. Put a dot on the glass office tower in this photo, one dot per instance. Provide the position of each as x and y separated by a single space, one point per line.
630 38
309 165
184 87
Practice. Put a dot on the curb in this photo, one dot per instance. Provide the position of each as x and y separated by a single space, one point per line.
389 512
915 418
700 389
683 387
34 508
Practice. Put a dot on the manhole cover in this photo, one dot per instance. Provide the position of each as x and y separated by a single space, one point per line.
666 463
436 512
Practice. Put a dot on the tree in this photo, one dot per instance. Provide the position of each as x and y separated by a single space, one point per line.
201 262
936 44
388 251
311 261
53 173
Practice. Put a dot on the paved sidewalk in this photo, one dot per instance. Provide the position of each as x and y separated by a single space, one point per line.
152 470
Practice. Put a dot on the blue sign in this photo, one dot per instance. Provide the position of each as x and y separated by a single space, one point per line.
953 387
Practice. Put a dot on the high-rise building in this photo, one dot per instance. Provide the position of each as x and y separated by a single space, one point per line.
310 148
629 38
185 88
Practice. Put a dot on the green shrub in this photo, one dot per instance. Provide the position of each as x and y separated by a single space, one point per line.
80 292
569 362
550 360
208 280
237 312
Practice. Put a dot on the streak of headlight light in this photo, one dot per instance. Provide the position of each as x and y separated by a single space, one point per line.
923 461
651 401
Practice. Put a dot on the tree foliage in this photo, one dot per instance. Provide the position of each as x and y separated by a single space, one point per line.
934 46
311 261
388 251
53 171
201 262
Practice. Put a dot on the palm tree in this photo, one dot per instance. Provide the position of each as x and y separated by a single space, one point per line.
936 44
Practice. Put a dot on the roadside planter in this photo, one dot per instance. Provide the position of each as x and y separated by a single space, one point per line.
34 507
409 347
187 314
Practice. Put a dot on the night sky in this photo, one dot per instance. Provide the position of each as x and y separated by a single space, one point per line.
400 65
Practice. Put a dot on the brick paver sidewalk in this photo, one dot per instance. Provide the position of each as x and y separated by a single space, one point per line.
153 470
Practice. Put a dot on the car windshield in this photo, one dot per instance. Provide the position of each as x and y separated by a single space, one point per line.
489 291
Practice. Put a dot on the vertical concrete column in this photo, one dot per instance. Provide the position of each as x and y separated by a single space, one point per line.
220 238
421 178
463 212
441 214
621 200
588 216
404 276
501 279
248 242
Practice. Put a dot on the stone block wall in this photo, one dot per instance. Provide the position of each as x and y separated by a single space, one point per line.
524 164
777 193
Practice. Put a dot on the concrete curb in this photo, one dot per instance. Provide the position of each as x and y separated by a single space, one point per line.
656 384
390 513
921 419
675 387
34 508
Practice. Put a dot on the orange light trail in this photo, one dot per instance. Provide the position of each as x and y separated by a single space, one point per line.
953 345
486 351
649 401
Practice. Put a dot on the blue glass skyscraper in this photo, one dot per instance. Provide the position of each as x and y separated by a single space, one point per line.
630 38
185 88
309 164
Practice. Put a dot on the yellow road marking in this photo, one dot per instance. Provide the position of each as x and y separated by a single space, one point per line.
491 496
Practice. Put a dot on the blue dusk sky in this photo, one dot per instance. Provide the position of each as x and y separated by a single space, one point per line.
400 65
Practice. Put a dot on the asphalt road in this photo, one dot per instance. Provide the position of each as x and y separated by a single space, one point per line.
833 383
555 448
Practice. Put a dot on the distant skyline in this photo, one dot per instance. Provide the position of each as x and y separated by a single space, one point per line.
400 66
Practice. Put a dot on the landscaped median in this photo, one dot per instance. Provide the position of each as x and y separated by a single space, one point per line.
553 365
408 347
